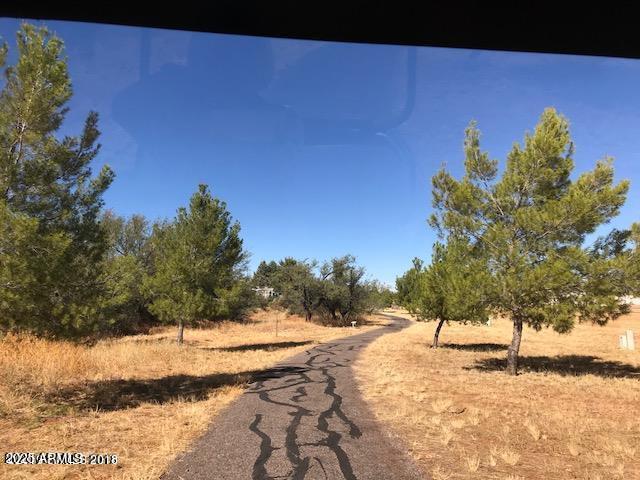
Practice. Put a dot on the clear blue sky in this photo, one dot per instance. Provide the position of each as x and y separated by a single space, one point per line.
319 148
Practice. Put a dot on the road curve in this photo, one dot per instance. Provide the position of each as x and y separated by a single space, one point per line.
302 419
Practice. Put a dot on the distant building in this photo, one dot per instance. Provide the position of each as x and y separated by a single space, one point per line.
265 292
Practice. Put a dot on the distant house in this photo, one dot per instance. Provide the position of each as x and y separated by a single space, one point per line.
265 292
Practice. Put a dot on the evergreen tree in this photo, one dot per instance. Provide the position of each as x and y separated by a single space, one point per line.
199 265
30 263
265 275
634 259
618 257
531 223
130 259
48 196
453 288
407 287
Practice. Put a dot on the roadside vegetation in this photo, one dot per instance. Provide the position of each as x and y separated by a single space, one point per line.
521 291
515 240
72 269
453 288
335 292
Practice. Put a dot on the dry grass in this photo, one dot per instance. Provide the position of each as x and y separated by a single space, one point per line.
473 463
141 397
572 413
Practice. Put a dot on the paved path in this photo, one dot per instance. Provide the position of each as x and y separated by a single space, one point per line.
303 419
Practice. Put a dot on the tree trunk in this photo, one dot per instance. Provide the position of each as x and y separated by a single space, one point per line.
437 334
514 348
180 338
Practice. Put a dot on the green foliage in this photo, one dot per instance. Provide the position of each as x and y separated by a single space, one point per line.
236 301
345 294
634 259
128 237
408 287
130 259
379 297
618 263
300 290
199 264
50 201
265 274
452 288
29 265
530 224
336 292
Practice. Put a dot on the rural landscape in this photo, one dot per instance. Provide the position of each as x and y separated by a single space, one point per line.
508 349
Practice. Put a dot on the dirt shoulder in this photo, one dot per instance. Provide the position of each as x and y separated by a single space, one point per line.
572 413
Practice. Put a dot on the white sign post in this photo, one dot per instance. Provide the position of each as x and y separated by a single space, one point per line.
623 342
627 340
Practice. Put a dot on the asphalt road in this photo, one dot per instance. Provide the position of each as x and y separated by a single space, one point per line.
303 419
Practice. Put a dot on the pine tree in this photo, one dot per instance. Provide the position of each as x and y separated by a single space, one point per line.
407 287
453 288
130 258
531 224
265 275
48 193
199 265
634 259
30 263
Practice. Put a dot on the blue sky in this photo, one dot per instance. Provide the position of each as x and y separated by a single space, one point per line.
320 148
